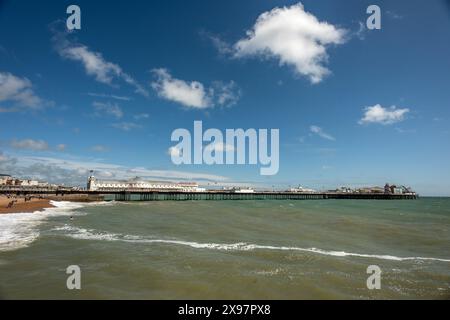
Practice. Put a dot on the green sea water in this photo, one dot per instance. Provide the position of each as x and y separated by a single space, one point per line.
318 249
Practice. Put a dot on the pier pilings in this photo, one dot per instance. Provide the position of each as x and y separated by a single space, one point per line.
225 196
211 195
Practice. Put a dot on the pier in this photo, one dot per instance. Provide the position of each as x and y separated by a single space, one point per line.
220 196
144 195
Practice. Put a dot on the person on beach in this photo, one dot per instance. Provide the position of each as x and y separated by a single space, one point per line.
10 204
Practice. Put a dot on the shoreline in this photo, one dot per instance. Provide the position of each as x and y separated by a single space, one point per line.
35 204
22 206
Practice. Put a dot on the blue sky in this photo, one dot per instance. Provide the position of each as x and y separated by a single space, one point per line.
353 106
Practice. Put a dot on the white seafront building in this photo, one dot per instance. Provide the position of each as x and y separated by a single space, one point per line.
301 189
137 184
7 180
243 190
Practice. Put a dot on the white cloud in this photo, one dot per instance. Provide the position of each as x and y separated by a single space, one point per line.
194 94
93 62
293 36
226 94
222 47
30 144
385 116
108 108
190 94
319 131
18 91
126 126
362 30
111 96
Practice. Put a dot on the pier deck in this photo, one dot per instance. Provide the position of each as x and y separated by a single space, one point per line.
186 196
139 195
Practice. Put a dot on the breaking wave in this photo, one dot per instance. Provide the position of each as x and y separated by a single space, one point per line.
18 230
90 234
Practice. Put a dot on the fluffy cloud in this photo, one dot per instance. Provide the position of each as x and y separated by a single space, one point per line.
19 92
293 36
108 108
190 94
319 131
93 62
30 144
385 116
194 94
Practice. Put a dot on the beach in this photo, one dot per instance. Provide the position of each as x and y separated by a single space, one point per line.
39 203
20 205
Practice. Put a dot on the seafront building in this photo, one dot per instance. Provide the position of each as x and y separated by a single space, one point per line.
4 178
388 189
302 190
393 189
243 190
7 180
137 184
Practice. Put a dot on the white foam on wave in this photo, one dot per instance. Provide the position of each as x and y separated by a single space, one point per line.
18 230
90 234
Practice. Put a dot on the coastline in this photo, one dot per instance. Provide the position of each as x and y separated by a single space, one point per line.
22 206
36 204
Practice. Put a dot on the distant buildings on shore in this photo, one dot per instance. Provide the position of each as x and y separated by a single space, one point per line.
387 189
393 189
7 180
301 189
137 184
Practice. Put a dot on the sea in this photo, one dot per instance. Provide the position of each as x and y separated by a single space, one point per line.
306 249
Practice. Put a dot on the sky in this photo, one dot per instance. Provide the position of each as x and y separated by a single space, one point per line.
353 106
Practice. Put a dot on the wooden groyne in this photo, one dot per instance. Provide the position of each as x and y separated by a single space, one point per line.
139 195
